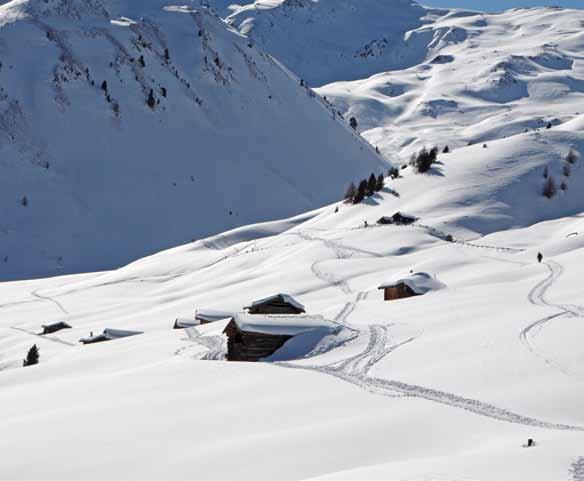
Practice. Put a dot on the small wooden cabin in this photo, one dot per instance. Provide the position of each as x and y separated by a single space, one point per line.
108 335
403 219
276 304
252 337
413 285
399 291
54 327
399 218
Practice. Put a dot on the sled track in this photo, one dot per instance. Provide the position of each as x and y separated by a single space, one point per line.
330 279
537 297
50 299
46 338
355 369
577 469
215 345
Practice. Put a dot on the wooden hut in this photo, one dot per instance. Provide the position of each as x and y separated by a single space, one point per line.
276 304
413 285
252 337
108 335
403 219
54 327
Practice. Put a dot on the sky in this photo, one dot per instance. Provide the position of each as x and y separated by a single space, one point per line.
498 5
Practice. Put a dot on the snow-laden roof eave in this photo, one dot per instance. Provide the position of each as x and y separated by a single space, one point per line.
285 297
419 283
282 325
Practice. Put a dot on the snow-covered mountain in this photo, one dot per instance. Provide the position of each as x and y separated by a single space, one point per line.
415 76
447 385
127 127
329 40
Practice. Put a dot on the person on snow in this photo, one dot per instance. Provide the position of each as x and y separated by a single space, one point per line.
539 257
365 224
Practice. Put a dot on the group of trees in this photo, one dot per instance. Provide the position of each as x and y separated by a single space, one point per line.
549 186
366 188
423 160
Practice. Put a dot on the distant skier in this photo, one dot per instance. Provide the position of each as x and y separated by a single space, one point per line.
365 224
539 257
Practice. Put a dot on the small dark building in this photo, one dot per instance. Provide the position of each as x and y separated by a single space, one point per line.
414 285
403 219
277 304
54 327
108 335
252 338
398 219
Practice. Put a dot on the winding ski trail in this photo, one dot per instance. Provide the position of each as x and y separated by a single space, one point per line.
537 297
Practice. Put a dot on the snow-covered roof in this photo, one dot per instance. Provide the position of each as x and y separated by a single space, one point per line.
282 325
420 283
56 323
285 298
211 315
185 322
405 214
110 334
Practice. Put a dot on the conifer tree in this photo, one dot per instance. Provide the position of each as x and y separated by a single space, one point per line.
361 192
141 61
32 356
549 187
166 55
380 182
446 150
353 123
151 100
371 185
571 157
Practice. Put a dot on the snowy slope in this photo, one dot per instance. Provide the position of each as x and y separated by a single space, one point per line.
499 76
415 76
337 39
444 386
91 177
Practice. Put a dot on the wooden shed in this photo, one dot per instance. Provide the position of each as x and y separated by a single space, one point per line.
413 285
252 337
276 304
54 327
108 335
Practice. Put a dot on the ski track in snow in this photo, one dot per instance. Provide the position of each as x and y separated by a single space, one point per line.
577 469
537 297
50 299
45 337
215 345
355 370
